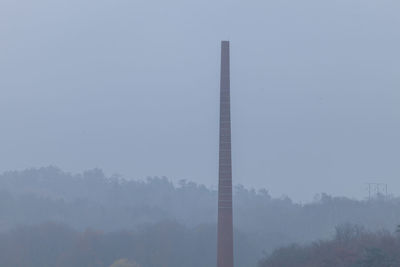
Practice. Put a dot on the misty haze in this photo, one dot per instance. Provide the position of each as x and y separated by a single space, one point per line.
200 133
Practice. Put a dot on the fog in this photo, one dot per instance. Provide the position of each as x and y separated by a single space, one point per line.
109 114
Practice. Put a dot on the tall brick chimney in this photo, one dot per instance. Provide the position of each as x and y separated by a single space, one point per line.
225 218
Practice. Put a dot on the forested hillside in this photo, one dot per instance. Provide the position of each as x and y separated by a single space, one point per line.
109 205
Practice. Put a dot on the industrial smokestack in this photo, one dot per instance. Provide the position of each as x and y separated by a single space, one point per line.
225 218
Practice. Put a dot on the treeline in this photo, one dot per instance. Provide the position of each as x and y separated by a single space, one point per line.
171 244
110 204
352 246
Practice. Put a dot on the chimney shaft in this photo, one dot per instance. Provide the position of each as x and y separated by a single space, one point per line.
225 218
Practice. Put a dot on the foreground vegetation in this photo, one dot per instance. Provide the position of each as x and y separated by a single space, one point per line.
352 247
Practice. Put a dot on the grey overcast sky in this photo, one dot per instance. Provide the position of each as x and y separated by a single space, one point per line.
131 86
